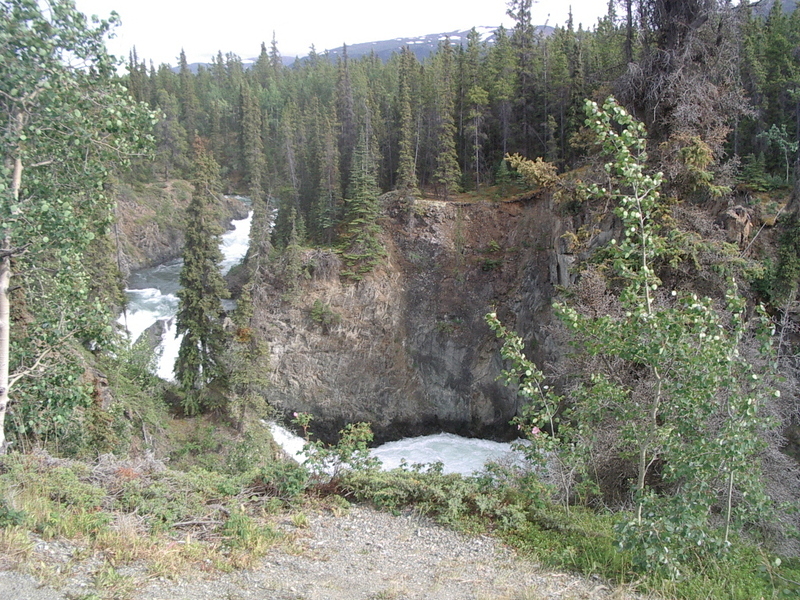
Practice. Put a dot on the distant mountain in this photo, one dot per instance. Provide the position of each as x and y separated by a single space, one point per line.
763 7
422 46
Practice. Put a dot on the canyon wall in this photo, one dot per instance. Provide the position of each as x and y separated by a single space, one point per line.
406 348
151 221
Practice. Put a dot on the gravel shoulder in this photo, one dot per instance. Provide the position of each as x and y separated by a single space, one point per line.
363 554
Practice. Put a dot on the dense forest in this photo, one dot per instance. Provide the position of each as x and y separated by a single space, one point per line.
724 81
645 131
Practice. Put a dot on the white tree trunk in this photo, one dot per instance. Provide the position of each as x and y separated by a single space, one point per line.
5 336
18 123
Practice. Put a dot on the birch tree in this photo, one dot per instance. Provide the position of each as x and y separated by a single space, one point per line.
64 121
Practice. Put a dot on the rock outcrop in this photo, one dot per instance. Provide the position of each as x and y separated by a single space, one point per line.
150 222
406 348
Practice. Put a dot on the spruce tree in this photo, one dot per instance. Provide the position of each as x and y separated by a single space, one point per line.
171 145
523 40
263 68
477 98
448 173
325 208
407 160
275 60
361 246
187 96
345 109
200 311
251 144
502 73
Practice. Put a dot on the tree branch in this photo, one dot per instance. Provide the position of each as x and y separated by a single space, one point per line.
25 372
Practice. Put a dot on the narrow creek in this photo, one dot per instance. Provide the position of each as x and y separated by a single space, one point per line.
152 299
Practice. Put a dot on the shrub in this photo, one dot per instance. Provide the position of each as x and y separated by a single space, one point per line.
664 376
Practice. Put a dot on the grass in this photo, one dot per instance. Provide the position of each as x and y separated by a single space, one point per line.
581 540
125 512
130 512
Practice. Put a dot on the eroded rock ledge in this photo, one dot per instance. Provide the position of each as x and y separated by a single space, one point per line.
406 348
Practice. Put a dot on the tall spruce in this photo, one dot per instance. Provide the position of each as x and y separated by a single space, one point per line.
360 239
325 209
187 97
477 99
200 312
407 159
345 111
448 173
523 40
251 144
171 145
502 72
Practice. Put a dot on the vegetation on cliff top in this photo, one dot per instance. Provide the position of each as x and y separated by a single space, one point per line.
673 382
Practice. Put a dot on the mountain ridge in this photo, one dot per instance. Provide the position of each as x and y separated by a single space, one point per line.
422 46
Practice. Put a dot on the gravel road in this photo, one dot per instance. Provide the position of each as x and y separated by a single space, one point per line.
364 554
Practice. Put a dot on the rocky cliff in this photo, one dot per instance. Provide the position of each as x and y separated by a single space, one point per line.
150 222
406 348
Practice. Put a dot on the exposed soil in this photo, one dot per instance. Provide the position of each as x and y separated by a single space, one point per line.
363 554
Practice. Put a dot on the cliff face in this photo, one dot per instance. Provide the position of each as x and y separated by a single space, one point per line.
150 222
406 348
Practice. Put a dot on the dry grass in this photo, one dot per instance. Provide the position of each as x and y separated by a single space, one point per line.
16 547
87 513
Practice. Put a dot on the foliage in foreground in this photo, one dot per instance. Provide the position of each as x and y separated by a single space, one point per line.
174 521
515 505
136 510
65 125
665 379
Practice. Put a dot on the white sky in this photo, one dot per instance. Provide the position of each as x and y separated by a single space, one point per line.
160 28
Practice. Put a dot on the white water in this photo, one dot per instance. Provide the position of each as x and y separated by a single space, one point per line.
457 454
152 296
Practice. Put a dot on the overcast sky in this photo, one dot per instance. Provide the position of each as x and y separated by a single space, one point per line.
160 28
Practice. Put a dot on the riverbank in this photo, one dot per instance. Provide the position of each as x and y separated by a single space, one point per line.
334 553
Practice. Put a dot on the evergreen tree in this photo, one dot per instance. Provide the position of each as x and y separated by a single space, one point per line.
448 173
138 83
523 40
263 68
251 144
275 59
260 246
246 362
171 144
360 240
477 99
406 169
187 97
324 211
607 55
200 312
345 109
502 72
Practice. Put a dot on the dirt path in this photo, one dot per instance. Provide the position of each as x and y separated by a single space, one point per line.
364 554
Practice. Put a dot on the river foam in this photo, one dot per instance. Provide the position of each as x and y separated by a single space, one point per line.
152 295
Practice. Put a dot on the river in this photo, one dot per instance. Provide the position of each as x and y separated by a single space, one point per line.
152 298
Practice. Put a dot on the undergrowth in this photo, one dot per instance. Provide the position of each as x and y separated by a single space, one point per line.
518 508
138 510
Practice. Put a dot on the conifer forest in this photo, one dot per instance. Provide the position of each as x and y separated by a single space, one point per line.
585 239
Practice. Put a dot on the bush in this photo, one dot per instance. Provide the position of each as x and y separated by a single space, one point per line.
665 380
285 480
